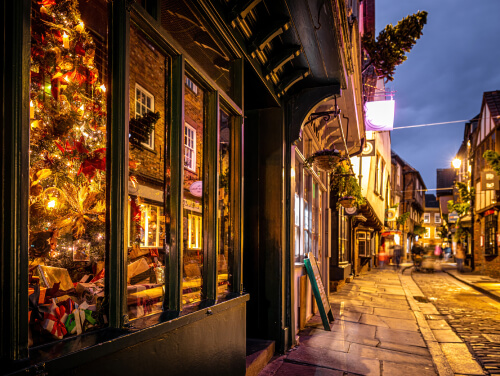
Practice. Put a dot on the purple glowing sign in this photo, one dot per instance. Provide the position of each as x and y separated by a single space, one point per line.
379 115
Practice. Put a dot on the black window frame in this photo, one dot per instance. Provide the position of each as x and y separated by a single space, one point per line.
14 189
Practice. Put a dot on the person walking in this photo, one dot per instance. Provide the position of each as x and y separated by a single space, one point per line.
397 255
460 256
381 257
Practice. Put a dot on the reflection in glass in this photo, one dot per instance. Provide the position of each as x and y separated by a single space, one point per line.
225 252
193 198
146 222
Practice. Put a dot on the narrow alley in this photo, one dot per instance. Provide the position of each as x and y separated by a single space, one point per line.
388 321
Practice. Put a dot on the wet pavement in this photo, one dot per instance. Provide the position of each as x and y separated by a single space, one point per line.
384 325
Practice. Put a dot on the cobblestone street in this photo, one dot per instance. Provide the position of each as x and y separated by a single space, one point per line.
472 315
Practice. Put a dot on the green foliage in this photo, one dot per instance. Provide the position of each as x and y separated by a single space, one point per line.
388 51
493 159
401 220
419 230
459 207
140 128
345 184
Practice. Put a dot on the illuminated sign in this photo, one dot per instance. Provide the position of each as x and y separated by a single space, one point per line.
489 180
379 115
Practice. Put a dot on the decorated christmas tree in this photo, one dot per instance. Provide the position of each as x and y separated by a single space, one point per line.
67 142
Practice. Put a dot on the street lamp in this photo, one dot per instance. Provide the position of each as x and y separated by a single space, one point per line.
456 163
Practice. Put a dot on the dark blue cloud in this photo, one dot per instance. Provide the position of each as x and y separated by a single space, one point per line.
453 63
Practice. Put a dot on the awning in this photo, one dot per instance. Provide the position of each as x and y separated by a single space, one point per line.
390 233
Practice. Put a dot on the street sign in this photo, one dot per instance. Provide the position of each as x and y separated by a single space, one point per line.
489 180
319 291
453 217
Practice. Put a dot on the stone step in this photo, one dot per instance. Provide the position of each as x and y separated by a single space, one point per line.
259 353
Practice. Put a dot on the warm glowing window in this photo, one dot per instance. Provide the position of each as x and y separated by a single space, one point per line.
437 218
144 224
189 147
194 231
427 218
427 234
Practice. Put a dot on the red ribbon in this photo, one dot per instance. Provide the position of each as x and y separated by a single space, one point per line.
59 330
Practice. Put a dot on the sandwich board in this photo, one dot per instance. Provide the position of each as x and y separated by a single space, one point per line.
319 291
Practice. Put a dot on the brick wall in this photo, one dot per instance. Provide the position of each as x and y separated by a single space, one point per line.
489 265
193 115
148 69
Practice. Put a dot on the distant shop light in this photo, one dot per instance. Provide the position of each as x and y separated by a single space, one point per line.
379 115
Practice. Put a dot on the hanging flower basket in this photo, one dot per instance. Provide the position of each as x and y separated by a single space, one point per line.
326 162
347 201
325 159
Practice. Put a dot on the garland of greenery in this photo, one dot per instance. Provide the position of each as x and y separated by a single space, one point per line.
140 128
392 43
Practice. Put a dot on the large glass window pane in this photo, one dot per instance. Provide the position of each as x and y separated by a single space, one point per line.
225 253
148 178
67 193
193 198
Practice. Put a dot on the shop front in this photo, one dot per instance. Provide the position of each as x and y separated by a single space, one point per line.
122 152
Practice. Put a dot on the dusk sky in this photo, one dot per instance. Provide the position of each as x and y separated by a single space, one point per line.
455 60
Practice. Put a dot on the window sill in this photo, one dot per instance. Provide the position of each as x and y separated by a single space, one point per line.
67 354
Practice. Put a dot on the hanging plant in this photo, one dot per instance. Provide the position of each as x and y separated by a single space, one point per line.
345 186
325 159
140 128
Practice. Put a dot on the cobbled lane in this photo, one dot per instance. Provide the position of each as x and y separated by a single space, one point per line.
473 316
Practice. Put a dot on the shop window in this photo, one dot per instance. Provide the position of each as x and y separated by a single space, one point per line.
364 244
225 241
490 231
144 103
193 215
427 218
298 210
437 218
189 147
343 236
67 172
147 220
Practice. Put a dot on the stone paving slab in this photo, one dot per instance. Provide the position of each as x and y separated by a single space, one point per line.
391 368
362 366
460 359
446 335
390 355
321 357
396 313
291 369
325 342
438 324
422 351
399 336
401 324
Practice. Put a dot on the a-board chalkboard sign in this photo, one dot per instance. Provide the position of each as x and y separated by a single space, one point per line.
319 291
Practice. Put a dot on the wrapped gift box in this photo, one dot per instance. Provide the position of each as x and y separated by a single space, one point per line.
50 275
43 290
139 272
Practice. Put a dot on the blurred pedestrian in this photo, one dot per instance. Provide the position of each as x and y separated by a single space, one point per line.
381 257
447 252
438 251
397 255
460 256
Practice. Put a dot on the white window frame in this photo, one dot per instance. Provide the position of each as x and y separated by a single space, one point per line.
192 166
144 109
427 217
437 218
427 234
